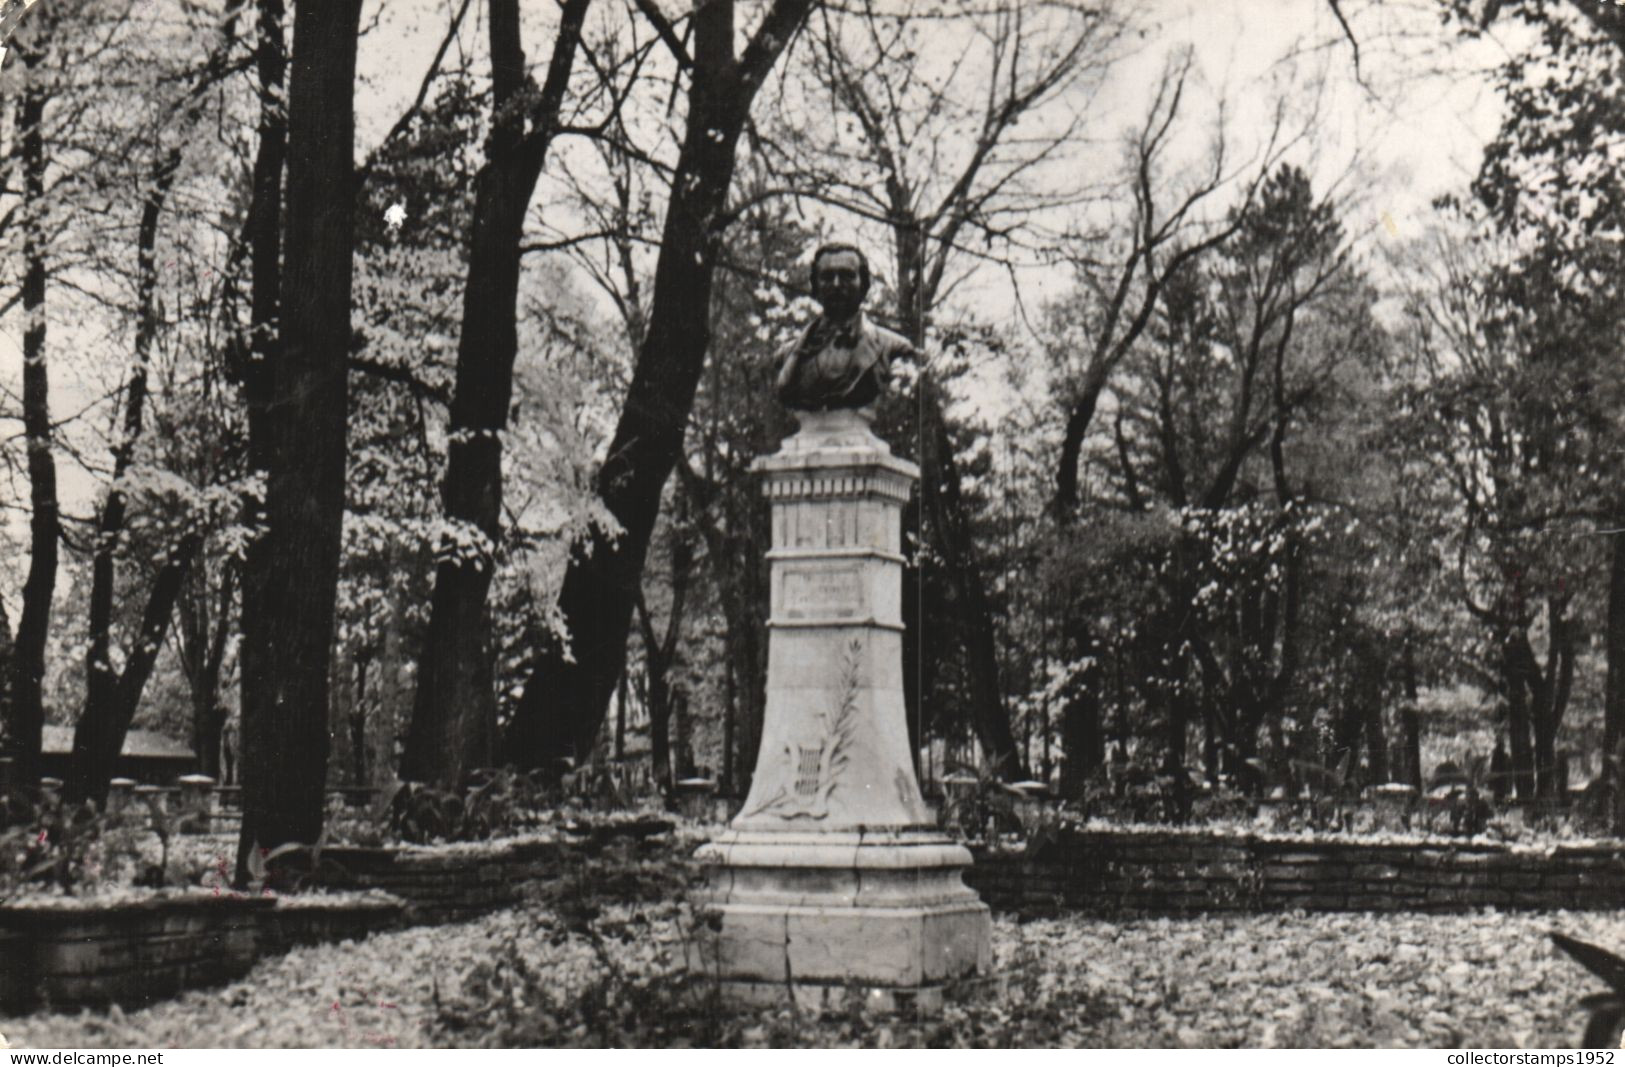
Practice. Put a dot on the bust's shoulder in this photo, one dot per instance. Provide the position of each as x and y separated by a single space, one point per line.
888 340
789 348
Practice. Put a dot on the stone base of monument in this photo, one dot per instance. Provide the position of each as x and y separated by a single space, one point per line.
884 915
831 884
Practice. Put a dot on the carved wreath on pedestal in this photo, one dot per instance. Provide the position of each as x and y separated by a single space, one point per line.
815 769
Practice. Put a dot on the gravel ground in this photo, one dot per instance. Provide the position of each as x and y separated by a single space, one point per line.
570 972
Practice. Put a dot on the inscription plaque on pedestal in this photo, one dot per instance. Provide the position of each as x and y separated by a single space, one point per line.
822 592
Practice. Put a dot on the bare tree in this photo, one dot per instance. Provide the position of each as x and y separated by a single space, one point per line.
565 700
1167 228
111 695
1515 415
25 710
454 715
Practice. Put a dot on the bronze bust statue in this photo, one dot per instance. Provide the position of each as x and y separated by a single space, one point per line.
843 361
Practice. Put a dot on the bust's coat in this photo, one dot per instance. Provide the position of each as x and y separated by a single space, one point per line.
851 370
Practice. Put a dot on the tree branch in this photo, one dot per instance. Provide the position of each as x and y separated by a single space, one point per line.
667 34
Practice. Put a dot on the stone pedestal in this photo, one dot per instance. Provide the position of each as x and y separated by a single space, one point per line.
118 795
832 878
195 802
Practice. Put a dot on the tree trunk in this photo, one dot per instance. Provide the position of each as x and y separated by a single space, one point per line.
97 739
264 240
750 670
660 704
1517 693
730 715
1412 715
1613 728
914 669
1210 740
1083 738
950 528
203 637
359 770
291 577
1552 698
726 511
945 521
1174 753
1376 740
740 557
620 718
1078 418
208 721
1175 761
7 661
660 654
265 227
453 726
392 696
1280 762
564 702
1545 762
1083 733
25 718
682 736
1346 733
100 736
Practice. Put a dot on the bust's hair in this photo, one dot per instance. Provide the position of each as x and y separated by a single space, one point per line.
836 248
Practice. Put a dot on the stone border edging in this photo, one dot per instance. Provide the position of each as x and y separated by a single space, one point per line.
439 886
139 951
1181 873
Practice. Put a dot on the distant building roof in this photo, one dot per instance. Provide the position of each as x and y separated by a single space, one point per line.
147 744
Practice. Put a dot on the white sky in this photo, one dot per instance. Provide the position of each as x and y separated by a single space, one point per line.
1420 130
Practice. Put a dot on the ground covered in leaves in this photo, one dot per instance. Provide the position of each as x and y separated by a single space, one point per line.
596 959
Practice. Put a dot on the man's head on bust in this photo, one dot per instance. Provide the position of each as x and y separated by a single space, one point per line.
842 359
840 280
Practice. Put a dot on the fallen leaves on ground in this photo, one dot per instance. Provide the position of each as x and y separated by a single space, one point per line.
597 959
1485 980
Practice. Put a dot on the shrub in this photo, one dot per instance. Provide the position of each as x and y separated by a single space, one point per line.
73 848
497 802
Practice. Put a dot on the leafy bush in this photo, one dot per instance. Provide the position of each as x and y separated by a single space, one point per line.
497 802
507 1002
74 848
24 859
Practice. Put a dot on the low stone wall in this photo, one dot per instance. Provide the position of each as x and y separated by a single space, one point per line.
145 950
440 886
299 921
1151 873
137 952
